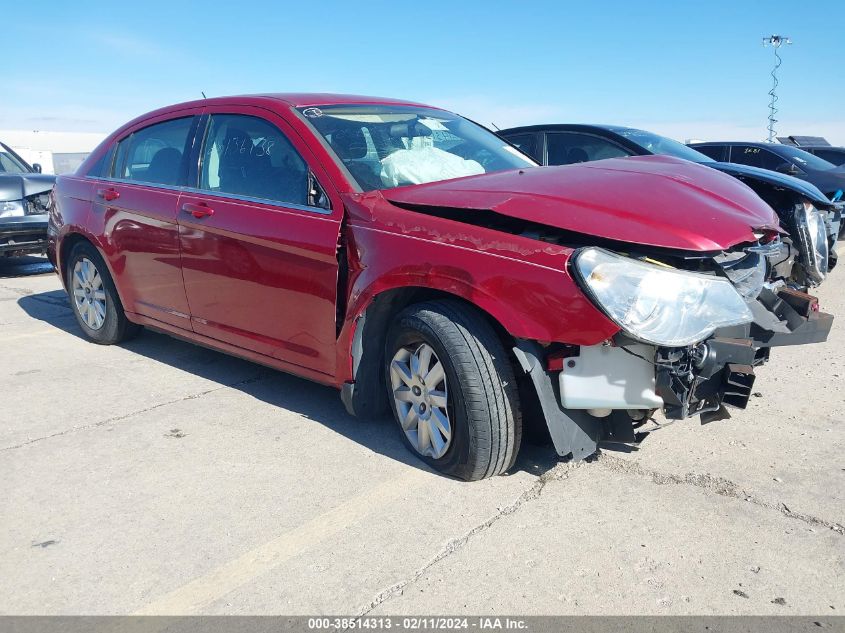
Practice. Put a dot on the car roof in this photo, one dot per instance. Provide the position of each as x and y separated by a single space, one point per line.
825 147
749 143
551 127
290 99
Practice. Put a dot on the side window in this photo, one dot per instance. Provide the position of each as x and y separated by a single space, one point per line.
527 143
154 154
103 164
248 156
567 148
756 157
832 156
716 152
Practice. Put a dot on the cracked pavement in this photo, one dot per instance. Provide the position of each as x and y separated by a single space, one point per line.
160 477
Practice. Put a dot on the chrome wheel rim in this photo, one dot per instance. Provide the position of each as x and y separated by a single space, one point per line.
420 396
89 296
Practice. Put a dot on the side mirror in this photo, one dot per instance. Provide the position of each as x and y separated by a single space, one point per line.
36 167
788 168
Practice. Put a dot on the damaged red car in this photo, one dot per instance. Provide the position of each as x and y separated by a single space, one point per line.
415 261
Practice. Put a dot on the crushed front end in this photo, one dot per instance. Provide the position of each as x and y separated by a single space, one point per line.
693 331
23 221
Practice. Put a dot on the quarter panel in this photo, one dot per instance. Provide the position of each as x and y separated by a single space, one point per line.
68 215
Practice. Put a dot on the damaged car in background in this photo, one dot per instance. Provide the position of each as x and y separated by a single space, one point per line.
811 221
418 263
24 199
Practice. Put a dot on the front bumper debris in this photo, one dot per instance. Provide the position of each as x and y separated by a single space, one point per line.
701 379
23 235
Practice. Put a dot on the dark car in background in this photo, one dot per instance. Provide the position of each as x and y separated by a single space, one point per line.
811 219
24 200
834 155
786 159
818 146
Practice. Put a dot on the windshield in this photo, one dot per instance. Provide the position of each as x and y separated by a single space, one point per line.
9 163
662 145
805 159
384 146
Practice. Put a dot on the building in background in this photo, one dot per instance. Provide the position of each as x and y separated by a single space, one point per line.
56 152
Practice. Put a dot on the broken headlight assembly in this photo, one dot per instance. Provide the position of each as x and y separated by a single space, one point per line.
11 209
658 304
812 240
37 204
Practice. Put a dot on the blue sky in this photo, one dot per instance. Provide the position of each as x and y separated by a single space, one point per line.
688 69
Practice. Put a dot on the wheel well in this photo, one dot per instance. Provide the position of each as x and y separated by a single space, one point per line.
64 250
369 394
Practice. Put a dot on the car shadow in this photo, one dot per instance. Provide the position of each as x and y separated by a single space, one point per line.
313 401
24 266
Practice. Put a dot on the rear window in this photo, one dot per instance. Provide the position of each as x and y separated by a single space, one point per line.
155 154
837 157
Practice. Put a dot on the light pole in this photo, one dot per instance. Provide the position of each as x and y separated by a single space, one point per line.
775 41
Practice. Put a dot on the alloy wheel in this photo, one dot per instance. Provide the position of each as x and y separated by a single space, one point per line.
420 395
89 296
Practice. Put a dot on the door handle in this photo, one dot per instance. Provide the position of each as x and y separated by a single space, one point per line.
108 194
201 210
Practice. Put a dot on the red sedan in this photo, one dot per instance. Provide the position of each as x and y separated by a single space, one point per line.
414 260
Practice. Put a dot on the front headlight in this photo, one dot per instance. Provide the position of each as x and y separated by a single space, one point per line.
11 209
812 237
658 305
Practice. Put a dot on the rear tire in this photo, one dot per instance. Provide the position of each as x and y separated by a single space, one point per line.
482 412
94 299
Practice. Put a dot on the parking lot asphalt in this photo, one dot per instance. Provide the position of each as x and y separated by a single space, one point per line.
159 477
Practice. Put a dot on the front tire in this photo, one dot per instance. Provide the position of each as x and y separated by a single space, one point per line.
452 390
94 298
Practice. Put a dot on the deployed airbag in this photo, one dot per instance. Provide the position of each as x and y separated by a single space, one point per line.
420 165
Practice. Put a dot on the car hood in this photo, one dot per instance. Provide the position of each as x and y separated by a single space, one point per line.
19 186
803 187
651 200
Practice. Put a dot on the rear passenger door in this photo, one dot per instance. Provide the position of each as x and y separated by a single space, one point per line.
259 240
134 209
568 148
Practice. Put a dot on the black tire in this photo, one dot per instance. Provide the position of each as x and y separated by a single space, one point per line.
116 327
483 402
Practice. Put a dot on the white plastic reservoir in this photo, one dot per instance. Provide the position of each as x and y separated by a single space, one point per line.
605 377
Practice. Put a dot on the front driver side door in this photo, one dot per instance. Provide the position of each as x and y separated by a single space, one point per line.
259 251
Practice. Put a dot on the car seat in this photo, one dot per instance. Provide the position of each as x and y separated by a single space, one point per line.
164 167
350 145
